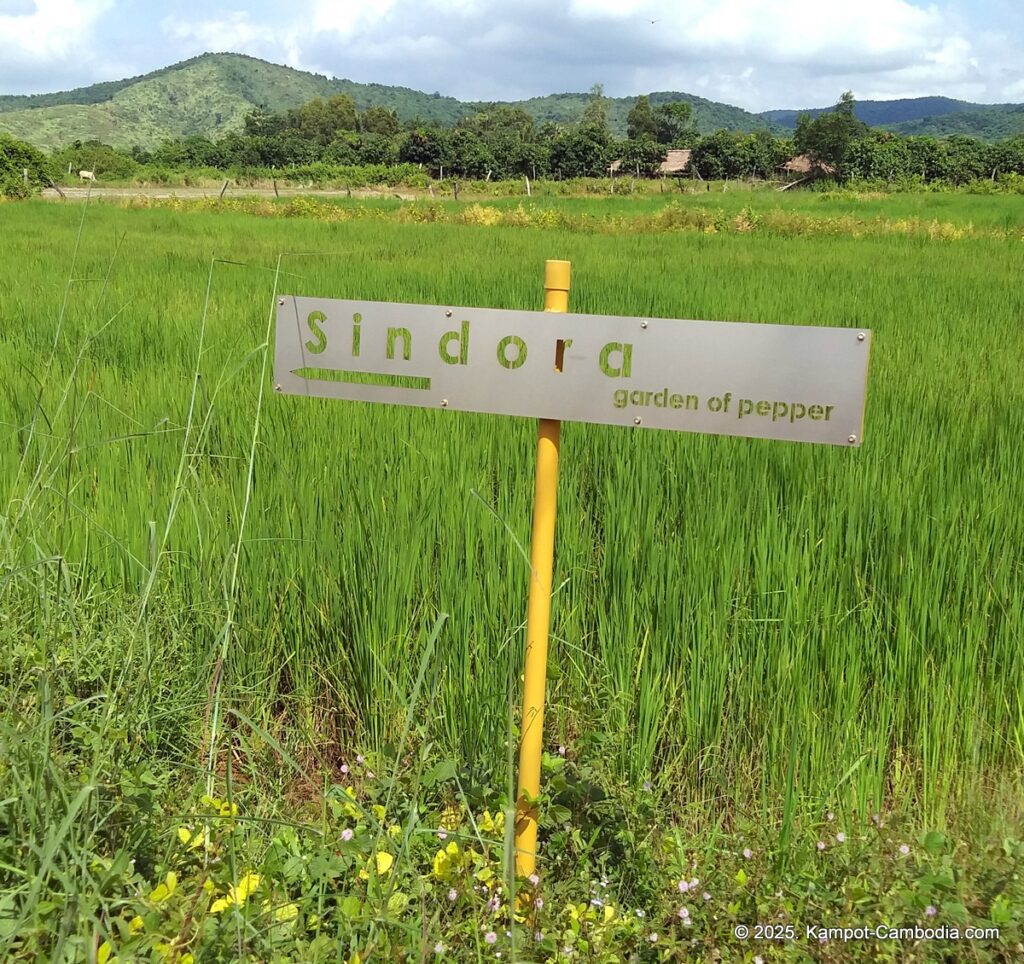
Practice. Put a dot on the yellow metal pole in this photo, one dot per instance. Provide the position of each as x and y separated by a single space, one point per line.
538 613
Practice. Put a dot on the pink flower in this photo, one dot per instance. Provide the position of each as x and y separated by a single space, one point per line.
453 894
344 768
490 937
360 758
830 816
534 879
707 896
683 887
821 844
538 902
439 948
683 913
748 853
904 849
930 911
561 751
442 834
347 834
653 938
841 837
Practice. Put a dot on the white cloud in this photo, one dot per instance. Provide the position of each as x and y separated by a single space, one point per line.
348 17
48 33
235 31
753 53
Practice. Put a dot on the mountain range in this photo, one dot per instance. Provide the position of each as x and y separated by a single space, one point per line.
211 95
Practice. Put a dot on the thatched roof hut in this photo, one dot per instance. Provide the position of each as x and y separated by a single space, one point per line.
805 166
674 162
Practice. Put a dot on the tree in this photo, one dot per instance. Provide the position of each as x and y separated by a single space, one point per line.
263 123
827 138
471 157
321 121
595 113
95 156
721 155
881 156
674 124
583 152
17 157
429 146
379 120
640 121
378 149
643 154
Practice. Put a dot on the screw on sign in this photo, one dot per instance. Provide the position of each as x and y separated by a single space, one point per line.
780 382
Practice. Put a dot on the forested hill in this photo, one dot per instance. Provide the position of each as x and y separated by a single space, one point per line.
935 116
708 115
212 94
993 123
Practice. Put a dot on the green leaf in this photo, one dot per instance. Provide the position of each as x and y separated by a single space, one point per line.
954 911
559 814
1000 913
352 906
934 842
439 773
551 763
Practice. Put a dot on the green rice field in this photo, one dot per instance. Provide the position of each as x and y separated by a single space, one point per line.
199 572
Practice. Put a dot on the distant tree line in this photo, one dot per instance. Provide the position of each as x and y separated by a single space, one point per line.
505 142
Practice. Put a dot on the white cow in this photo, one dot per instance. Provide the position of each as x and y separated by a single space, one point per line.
87 175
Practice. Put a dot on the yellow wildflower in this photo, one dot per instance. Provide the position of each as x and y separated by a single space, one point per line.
609 912
351 810
162 891
236 895
489 824
446 861
286 912
135 925
384 863
451 817
192 839
379 812
103 952
394 830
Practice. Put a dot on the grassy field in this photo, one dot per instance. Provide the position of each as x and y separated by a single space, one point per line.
208 588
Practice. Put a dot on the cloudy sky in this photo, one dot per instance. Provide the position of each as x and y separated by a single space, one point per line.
754 53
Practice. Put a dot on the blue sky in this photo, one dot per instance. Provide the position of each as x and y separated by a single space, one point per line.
754 53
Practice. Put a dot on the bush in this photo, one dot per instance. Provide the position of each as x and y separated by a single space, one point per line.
23 169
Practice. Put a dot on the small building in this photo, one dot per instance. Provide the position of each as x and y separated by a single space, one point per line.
803 165
674 162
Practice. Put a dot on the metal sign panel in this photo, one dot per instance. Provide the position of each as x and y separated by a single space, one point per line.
803 384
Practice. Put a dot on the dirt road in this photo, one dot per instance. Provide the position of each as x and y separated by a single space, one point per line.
99 193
